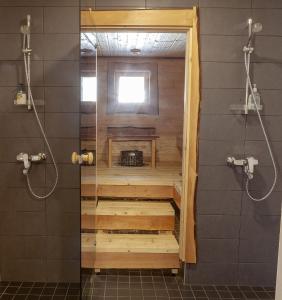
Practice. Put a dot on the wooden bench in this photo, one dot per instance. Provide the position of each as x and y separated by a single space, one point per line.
129 251
127 215
131 134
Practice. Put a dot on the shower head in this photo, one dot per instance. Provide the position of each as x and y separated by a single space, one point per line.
256 27
253 29
28 20
25 29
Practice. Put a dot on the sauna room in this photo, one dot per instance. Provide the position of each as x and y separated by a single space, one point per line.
132 124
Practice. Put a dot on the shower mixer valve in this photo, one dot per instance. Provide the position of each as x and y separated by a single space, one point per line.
248 164
28 159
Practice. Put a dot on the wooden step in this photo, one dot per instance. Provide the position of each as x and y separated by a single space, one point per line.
129 251
127 215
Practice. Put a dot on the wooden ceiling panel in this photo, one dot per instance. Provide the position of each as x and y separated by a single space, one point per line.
150 44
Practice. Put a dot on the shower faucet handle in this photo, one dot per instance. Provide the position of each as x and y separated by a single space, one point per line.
235 162
38 157
248 164
23 157
28 159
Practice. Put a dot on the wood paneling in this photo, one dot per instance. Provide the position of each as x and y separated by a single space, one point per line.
168 124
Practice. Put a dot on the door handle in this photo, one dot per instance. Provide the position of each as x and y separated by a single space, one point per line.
85 158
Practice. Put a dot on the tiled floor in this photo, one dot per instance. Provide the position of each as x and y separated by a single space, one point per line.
130 285
155 285
38 290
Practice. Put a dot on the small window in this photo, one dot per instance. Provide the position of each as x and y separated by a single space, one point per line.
132 88
88 89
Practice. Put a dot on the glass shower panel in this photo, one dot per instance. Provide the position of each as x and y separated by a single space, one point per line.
88 136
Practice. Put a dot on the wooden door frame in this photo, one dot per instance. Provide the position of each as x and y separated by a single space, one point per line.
170 20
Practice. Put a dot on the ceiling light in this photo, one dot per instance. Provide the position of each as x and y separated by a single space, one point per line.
135 51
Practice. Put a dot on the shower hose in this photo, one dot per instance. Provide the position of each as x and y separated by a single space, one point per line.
27 75
247 64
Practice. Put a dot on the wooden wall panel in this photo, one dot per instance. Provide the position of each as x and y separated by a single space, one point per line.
169 122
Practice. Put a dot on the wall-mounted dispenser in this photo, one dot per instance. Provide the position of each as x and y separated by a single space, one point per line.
21 97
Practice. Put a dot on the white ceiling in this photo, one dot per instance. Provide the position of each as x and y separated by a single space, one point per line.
120 43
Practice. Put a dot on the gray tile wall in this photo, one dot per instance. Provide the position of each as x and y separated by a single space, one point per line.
237 239
40 240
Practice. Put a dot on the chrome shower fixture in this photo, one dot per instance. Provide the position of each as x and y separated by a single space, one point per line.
253 28
25 29
24 157
248 164
253 103
28 159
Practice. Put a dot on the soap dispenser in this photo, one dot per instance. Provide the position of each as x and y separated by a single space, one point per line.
21 98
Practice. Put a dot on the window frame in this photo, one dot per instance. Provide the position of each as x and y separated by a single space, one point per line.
85 74
150 71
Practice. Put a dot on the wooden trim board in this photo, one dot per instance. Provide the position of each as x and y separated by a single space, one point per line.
134 19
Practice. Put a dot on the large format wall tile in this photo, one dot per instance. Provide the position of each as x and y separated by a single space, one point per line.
213 273
219 202
222 128
69 176
215 250
67 269
223 21
267 4
226 3
256 250
121 3
61 20
12 73
61 73
271 20
271 207
222 75
220 101
218 226
222 48
62 248
257 274
62 125
62 99
11 19
39 3
26 223
219 178
61 47
215 153
171 3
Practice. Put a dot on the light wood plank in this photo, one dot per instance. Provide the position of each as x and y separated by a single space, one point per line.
136 18
127 215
